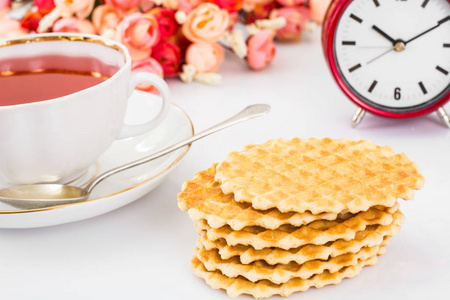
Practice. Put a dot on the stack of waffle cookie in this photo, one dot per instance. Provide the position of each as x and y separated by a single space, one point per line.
288 215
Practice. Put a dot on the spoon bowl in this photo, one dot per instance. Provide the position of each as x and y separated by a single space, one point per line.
38 196
42 195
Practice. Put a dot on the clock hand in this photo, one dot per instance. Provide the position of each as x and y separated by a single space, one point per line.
432 28
382 54
374 47
384 34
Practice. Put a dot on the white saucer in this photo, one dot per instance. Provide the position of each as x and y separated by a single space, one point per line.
122 188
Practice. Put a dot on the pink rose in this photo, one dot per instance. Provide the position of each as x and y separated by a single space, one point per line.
82 8
10 28
146 5
260 49
104 18
318 9
46 5
295 18
206 58
73 25
186 5
169 56
122 5
4 4
3 12
292 2
207 23
147 65
139 33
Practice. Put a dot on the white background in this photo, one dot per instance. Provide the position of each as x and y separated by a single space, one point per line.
142 251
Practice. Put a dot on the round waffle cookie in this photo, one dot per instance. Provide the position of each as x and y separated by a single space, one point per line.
236 286
287 236
247 254
288 215
280 273
318 175
203 199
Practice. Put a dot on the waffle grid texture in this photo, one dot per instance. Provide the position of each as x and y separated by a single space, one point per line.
288 215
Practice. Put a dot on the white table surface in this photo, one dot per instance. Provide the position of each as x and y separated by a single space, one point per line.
142 251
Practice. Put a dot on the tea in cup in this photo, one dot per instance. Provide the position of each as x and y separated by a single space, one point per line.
63 99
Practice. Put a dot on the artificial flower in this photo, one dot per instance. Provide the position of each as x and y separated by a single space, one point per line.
180 17
150 65
295 19
146 5
229 5
81 8
4 4
186 5
169 57
10 28
171 37
252 5
318 9
190 74
256 11
31 20
208 78
139 33
167 24
122 5
45 5
45 24
260 49
105 18
170 4
235 40
207 23
3 12
72 24
206 58
272 24
297 3
181 41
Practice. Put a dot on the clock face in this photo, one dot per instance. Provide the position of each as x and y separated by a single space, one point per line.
395 54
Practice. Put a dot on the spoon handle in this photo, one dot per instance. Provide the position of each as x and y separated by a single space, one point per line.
247 113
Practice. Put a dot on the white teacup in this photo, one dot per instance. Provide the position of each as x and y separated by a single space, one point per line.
48 140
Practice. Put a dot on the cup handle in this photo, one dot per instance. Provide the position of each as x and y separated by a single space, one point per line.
161 86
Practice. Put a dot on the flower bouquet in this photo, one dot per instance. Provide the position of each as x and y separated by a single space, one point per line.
173 38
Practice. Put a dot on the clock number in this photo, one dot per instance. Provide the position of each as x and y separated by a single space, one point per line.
397 94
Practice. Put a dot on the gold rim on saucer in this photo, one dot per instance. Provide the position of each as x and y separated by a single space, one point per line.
116 193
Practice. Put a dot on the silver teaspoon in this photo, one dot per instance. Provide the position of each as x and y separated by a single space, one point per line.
37 196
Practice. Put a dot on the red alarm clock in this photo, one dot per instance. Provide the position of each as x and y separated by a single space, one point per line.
390 57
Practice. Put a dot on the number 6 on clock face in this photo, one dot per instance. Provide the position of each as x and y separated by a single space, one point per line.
391 57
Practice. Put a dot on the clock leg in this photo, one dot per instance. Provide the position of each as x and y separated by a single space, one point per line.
443 116
358 116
